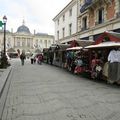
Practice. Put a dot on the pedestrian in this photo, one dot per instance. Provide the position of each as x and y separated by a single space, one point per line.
22 57
40 58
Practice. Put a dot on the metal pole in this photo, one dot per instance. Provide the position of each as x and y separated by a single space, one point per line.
4 39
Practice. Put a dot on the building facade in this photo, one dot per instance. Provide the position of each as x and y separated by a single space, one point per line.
23 39
66 23
90 18
97 16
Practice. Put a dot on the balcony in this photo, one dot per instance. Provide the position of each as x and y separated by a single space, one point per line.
118 15
85 6
99 2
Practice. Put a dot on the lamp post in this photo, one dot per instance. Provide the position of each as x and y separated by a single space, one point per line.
4 23
4 62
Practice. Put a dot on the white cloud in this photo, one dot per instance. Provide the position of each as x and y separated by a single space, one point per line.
38 14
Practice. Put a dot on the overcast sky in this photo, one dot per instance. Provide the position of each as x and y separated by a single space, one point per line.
38 14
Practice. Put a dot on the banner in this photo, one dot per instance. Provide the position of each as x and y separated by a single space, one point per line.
1 23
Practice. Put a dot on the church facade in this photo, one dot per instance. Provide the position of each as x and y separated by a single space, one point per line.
23 39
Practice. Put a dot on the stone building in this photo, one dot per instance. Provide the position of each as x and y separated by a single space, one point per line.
66 23
90 18
23 39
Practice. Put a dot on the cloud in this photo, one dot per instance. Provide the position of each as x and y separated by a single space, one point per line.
38 14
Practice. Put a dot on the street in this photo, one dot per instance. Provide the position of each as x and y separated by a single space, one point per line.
45 92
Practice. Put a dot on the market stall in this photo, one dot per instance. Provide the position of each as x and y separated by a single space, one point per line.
77 56
99 64
60 54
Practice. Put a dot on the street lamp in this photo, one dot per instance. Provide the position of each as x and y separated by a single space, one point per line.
4 23
4 62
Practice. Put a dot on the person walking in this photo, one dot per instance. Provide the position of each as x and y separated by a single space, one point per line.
22 57
40 59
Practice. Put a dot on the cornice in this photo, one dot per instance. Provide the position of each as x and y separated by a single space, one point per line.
69 5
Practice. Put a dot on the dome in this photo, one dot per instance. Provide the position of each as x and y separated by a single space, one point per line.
23 29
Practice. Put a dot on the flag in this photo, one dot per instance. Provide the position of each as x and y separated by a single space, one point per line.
1 23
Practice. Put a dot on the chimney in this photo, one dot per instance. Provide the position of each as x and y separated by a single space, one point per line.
11 30
34 32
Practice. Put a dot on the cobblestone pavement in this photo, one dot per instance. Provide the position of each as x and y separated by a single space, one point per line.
44 92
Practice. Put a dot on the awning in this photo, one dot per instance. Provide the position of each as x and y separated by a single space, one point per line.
74 48
104 45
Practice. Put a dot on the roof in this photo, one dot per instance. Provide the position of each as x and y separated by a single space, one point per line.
108 36
81 43
60 47
84 43
41 34
23 29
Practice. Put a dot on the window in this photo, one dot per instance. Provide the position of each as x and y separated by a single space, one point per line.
58 35
100 16
70 29
28 42
63 17
63 31
40 41
70 12
49 43
45 43
8 43
58 22
18 43
84 23
23 42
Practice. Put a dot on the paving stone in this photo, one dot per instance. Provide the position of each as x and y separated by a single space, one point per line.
49 93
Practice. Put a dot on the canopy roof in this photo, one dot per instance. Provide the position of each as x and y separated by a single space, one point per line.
60 47
74 48
105 44
108 36
11 50
81 43
37 51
